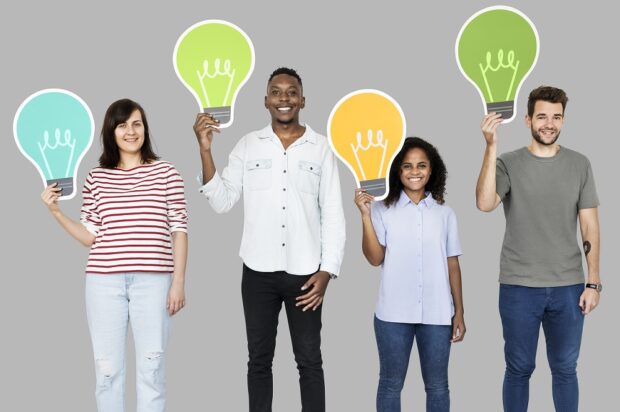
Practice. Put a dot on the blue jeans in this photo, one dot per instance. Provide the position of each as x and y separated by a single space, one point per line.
395 341
112 301
523 310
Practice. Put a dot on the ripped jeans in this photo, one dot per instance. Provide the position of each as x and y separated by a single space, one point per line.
112 301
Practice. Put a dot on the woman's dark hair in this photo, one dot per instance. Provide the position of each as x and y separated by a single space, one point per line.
117 113
436 182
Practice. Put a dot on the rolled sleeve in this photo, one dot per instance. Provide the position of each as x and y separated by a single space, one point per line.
89 215
225 190
332 217
175 201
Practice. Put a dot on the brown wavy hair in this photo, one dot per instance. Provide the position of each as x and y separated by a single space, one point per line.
118 113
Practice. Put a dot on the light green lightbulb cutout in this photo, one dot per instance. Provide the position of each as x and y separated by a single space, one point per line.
214 59
496 50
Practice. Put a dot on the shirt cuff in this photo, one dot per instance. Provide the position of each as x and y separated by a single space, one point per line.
331 269
90 227
208 188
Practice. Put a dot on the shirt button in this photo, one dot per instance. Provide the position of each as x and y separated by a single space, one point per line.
283 207
284 153
283 244
284 170
282 225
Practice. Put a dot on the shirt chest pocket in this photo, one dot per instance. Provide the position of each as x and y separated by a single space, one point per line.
258 174
308 177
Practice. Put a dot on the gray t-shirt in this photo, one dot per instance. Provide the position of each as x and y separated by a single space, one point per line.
542 197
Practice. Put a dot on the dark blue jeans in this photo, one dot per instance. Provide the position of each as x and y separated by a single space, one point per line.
523 310
395 341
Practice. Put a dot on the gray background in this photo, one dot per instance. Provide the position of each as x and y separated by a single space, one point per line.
106 51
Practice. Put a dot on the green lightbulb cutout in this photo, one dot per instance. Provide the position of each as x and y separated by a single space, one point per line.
214 59
496 50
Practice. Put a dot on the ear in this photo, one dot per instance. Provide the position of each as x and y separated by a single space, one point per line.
303 102
528 121
266 107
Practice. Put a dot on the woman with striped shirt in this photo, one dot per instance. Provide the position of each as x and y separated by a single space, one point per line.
134 219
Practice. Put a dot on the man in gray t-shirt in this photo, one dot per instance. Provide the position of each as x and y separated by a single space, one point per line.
545 190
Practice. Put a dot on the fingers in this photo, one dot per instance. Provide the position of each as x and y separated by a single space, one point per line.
51 194
458 332
311 303
588 301
206 121
490 123
174 306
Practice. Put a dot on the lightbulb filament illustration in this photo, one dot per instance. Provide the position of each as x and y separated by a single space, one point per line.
360 146
226 72
58 143
510 64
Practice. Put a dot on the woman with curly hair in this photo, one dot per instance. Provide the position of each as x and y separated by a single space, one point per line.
414 236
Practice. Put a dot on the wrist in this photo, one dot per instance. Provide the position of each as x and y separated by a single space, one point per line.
178 280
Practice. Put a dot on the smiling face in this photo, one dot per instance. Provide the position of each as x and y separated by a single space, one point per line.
415 170
546 122
284 99
129 135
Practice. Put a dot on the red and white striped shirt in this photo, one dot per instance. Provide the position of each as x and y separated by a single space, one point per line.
132 213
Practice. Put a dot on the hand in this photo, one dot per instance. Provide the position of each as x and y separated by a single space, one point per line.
50 197
458 328
363 200
204 127
489 126
176 298
589 300
313 299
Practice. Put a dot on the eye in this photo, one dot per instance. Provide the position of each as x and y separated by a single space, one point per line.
292 92
121 126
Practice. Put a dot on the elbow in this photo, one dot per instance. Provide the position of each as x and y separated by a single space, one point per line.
484 206
375 260
88 242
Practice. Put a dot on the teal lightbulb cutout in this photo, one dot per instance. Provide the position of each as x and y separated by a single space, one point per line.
214 59
496 50
54 128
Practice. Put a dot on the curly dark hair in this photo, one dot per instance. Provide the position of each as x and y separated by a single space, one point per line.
437 181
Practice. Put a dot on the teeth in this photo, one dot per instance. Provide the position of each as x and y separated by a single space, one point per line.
284 109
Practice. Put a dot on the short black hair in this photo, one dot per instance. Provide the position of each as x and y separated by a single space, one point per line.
285 70
546 94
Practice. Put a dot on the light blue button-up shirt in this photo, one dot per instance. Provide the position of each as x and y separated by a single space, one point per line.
418 239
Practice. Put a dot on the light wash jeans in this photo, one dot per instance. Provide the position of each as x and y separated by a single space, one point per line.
112 301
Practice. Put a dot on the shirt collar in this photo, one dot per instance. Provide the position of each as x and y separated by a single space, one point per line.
308 136
404 200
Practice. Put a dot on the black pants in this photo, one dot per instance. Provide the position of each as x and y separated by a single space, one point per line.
263 294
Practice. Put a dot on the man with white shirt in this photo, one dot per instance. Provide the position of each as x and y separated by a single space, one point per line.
293 233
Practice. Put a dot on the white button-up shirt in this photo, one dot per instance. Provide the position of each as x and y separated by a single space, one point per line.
293 216
418 239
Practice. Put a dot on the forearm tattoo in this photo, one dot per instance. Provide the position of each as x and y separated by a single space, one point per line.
587 247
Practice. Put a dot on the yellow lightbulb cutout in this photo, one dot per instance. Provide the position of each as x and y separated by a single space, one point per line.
366 129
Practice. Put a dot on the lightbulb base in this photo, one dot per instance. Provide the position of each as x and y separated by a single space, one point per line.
65 184
220 113
375 187
506 109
